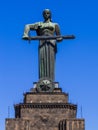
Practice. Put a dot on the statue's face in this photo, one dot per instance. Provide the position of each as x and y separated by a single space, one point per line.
46 14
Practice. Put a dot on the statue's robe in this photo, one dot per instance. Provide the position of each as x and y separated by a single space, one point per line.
47 48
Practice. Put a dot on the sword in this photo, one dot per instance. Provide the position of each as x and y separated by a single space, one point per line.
49 37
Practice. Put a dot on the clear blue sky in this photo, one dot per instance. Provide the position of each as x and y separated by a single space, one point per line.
76 60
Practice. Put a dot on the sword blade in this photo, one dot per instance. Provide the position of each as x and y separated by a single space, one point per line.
49 37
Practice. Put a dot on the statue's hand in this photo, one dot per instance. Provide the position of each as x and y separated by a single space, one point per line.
59 39
25 37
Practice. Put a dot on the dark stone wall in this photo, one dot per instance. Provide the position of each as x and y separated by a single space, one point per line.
72 124
24 124
51 113
44 123
45 97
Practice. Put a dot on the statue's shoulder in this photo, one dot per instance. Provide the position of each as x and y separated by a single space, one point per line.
55 24
38 23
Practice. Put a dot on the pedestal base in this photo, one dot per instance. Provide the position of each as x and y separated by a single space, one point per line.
45 110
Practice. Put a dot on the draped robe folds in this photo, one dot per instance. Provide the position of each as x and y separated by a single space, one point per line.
47 51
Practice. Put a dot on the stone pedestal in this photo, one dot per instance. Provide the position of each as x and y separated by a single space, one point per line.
45 111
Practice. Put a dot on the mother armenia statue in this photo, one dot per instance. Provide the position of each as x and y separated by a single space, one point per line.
47 48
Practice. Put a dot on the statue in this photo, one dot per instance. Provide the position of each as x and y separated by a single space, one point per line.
47 48
48 33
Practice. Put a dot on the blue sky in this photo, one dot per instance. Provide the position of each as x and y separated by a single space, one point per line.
76 60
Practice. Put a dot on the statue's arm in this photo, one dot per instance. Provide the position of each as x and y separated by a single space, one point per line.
57 31
32 26
29 27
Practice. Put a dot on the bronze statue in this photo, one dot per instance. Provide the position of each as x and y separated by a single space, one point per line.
48 33
47 48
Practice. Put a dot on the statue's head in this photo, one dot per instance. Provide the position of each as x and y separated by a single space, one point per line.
47 14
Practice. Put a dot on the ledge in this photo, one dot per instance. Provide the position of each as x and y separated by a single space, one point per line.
46 105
